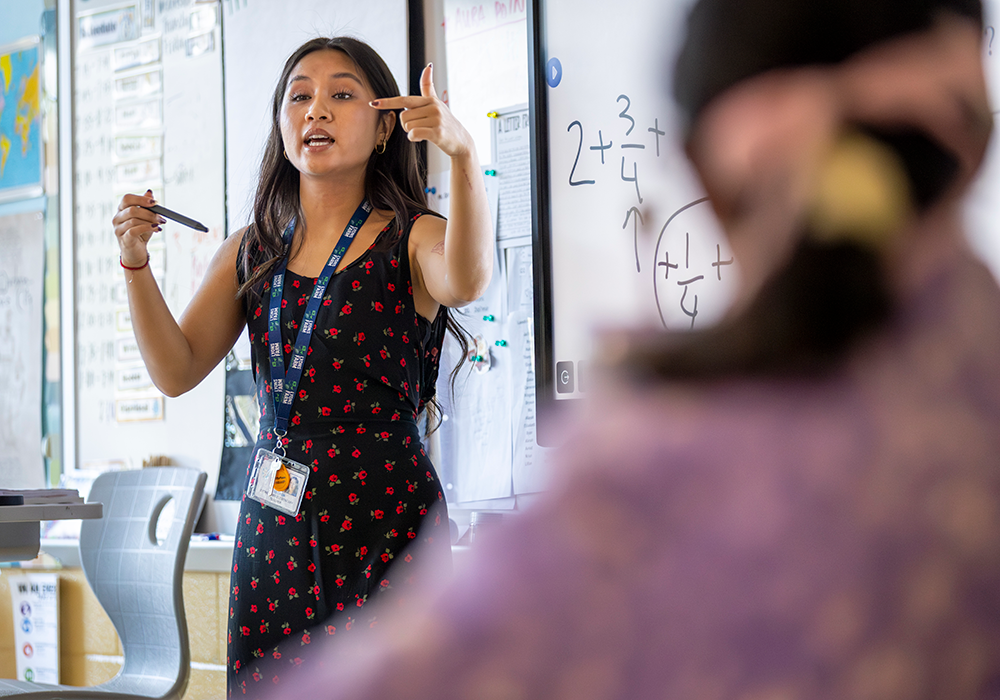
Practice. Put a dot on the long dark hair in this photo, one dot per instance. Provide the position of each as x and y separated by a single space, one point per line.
393 178
830 294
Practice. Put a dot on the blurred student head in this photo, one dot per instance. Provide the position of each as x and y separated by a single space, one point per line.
834 138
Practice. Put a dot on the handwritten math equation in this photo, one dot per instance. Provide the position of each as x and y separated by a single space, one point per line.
690 264
689 259
629 170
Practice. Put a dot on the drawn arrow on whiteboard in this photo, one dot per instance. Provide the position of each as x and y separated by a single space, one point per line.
635 231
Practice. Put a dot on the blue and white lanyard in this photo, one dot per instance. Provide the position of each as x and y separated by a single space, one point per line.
282 384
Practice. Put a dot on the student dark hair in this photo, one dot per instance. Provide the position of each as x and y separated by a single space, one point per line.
727 42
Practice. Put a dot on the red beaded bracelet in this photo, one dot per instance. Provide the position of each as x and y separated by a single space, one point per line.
120 262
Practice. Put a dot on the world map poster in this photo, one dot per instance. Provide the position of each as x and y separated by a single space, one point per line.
20 121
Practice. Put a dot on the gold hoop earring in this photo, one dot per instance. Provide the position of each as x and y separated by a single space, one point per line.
285 153
383 145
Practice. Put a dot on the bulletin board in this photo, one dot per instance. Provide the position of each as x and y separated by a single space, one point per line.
623 236
147 108
488 454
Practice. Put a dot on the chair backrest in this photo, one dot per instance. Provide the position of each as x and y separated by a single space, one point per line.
138 579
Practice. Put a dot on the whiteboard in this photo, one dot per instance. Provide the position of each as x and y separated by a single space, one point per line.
983 222
22 267
259 35
147 108
616 200
487 52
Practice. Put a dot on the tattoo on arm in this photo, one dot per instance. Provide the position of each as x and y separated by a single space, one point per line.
439 248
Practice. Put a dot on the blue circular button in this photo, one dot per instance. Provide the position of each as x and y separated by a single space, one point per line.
553 72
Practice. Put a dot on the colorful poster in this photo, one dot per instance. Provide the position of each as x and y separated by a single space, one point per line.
20 121
35 602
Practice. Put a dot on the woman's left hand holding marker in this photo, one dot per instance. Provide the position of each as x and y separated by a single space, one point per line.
134 226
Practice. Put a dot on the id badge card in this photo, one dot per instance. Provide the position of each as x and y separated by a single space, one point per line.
278 482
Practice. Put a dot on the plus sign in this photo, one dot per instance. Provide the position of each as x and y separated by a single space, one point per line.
602 148
655 129
719 262
667 264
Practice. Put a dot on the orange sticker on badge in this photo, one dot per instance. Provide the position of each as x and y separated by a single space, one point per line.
281 479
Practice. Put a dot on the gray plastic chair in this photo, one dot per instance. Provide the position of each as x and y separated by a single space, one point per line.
138 582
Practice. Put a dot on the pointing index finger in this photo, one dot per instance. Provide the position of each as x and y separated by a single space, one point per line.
401 102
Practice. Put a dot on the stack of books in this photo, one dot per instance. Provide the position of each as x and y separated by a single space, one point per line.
40 497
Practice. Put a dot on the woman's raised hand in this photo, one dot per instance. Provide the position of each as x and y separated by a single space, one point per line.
134 226
427 118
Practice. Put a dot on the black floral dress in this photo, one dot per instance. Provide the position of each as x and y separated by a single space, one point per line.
372 494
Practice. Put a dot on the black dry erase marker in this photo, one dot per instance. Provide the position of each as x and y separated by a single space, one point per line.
179 218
